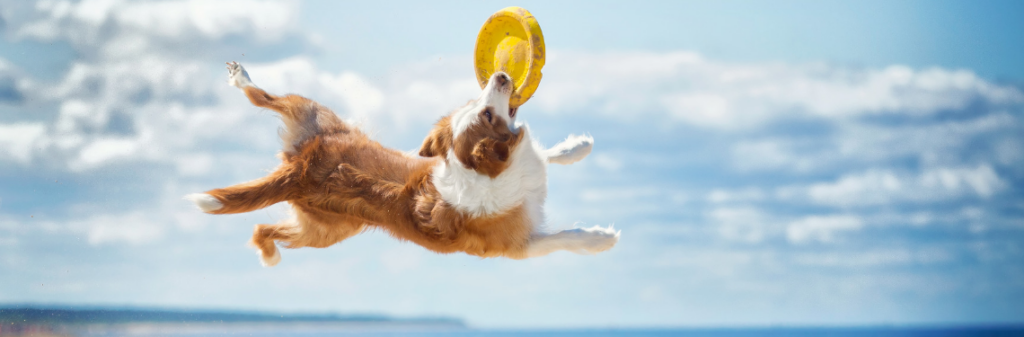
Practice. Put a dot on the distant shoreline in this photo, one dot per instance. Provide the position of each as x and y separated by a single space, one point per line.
116 315
32 319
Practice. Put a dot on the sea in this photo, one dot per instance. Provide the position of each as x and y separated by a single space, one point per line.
719 332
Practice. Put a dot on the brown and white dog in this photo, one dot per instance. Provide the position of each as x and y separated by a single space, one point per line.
478 187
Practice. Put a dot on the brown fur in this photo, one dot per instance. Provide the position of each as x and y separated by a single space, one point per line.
485 146
439 140
339 182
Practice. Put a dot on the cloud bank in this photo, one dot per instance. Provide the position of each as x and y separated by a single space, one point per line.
757 182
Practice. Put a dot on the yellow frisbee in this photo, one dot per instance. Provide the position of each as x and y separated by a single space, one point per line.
511 41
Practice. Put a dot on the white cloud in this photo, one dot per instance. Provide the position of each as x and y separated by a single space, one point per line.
350 93
149 102
115 28
18 141
830 91
881 186
618 194
142 88
13 83
855 143
196 164
361 98
147 109
982 180
821 228
774 154
873 258
103 150
607 162
869 142
157 109
213 20
750 194
872 187
745 224
613 83
133 228
1009 151
728 96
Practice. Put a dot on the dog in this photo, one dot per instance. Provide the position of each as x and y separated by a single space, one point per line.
478 185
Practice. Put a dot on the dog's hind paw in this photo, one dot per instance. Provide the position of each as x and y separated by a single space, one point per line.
237 76
272 260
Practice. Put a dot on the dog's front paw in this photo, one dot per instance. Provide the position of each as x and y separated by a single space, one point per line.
600 239
571 150
237 76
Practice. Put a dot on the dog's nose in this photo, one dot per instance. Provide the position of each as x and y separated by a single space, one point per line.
501 79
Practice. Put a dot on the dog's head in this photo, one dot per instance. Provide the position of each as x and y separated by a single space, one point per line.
482 134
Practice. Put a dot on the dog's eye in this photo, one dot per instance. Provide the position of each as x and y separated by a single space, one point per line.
488 114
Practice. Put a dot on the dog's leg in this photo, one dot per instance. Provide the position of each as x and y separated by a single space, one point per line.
571 150
263 238
239 78
303 118
350 191
374 190
246 197
302 230
578 240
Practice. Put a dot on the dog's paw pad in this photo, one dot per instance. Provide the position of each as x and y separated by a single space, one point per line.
205 202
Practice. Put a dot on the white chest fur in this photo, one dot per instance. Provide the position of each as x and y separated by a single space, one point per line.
524 182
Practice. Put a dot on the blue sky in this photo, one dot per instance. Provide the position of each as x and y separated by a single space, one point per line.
795 163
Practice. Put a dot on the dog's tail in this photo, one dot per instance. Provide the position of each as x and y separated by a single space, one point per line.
246 197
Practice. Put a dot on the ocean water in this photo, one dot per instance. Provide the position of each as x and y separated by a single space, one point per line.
759 332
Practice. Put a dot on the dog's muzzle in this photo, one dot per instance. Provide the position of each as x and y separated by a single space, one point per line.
502 82
502 78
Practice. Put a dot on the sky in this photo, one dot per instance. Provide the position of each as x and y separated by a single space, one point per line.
769 163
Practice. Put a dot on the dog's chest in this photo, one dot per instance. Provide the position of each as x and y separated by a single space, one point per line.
524 183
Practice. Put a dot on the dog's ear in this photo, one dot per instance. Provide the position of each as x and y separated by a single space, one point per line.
490 156
439 140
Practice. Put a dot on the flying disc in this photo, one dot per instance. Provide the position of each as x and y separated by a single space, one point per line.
511 41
